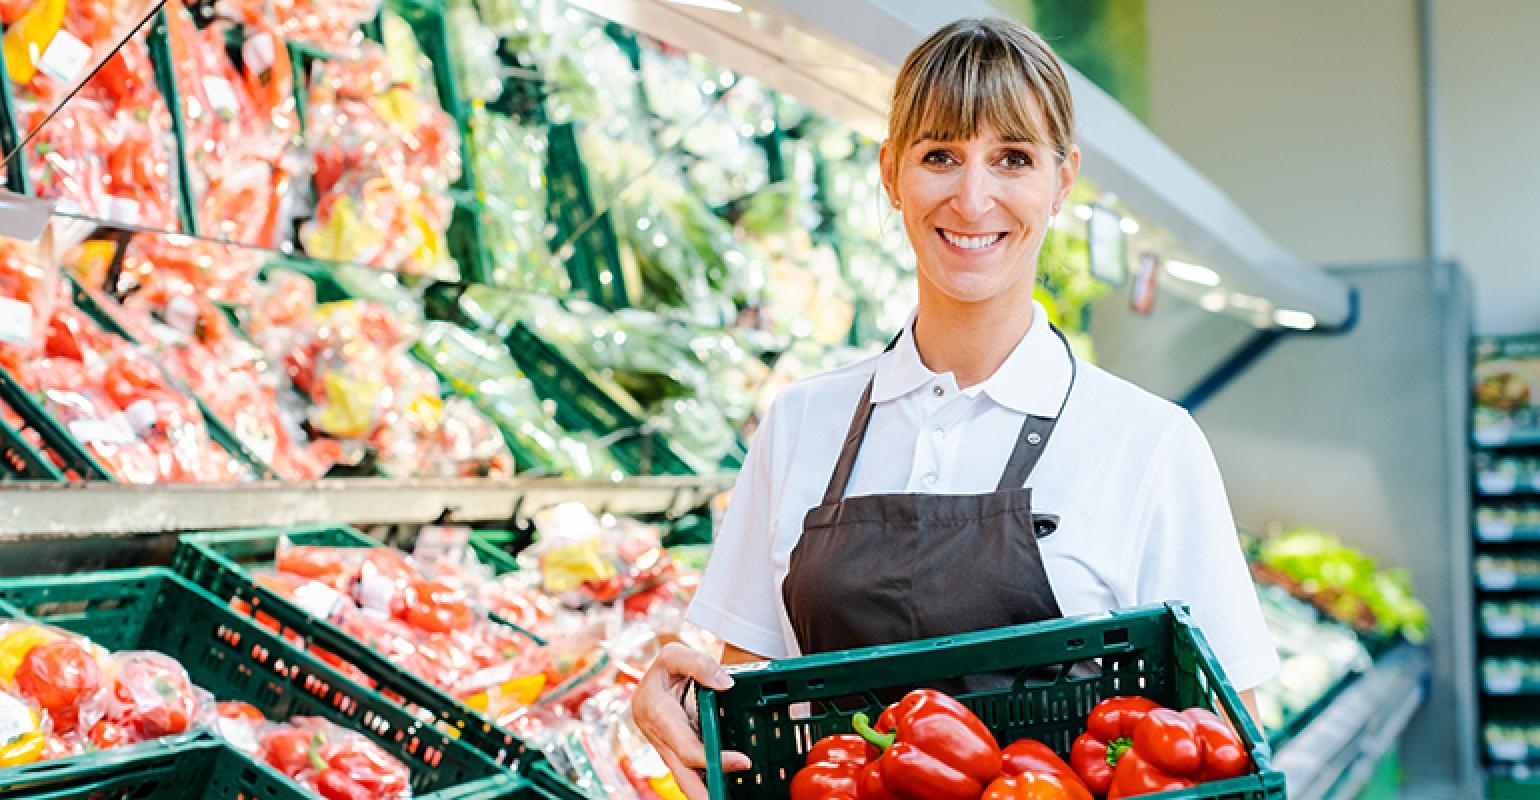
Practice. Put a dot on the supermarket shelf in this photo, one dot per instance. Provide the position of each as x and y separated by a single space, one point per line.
1506 628
1506 688
1507 532
1498 484
1506 581
1506 436
1334 756
840 58
38 508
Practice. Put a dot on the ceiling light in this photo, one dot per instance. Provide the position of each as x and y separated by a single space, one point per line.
1298 320
1214 301
1246 301
1192 273
1129 225
710 5
1083 211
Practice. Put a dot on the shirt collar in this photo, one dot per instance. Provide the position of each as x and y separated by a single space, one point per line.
1033 379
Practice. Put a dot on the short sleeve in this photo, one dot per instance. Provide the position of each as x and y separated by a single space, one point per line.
739 600
1191 553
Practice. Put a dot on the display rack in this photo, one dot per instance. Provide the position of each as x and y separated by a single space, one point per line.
1335 755
1505 534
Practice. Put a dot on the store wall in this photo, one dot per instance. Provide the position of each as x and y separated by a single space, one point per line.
1487 122
1306 113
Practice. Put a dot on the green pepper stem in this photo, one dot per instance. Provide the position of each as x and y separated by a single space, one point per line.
1116 748
863 726
315 752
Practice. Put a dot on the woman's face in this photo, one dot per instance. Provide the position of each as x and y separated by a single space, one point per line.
976 211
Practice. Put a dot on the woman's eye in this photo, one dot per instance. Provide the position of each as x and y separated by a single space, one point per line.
1016 159
939 158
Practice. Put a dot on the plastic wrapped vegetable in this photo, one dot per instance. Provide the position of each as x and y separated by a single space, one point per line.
335 763
510 167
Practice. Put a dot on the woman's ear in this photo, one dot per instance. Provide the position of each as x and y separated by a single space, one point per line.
889 172
1069 172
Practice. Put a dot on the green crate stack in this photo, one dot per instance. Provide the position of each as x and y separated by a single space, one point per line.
20 461
200 769
1154 651
236 659
78 463
218 561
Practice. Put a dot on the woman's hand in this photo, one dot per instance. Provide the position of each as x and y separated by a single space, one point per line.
660 714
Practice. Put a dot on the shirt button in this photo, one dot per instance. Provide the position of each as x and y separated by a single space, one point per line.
938 391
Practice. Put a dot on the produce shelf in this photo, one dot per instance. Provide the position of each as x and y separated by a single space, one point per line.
1335 755
1509 628
1496 531
1500 484
1506 581
112 508
1506 436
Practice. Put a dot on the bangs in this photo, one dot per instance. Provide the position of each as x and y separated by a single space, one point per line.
974 73
961 91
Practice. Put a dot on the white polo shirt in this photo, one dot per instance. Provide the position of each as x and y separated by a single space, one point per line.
1143 516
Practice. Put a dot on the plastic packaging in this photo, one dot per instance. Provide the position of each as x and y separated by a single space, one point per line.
334 763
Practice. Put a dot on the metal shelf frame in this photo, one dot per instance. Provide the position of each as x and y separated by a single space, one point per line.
123 509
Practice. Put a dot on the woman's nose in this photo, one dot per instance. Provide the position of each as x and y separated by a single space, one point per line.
975 195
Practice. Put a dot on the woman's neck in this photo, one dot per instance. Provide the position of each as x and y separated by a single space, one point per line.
969 340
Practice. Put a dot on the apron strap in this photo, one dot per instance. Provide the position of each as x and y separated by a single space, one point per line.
846 464
1033 438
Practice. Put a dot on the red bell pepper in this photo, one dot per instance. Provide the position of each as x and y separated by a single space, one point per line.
1033 786
1178 750
1108 733
834 768
933 748
1031 757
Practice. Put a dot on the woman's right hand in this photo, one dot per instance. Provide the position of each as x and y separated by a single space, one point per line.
659 712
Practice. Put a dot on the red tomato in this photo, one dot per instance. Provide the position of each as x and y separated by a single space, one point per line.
288 750
152 695
106 735
59 675
236 710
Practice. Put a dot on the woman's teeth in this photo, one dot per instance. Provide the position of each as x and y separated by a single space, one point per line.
972 242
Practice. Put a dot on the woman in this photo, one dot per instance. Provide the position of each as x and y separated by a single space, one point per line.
987 478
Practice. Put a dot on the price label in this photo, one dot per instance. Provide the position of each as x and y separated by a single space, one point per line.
441 544
1495 530
1493 435
1504 683
65 58
124 209
182 314
1505 627
102 431
259 53
319 600
1497 482
1498 578
221 95
15 321
15 719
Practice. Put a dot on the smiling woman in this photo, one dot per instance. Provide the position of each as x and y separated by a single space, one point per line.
901 498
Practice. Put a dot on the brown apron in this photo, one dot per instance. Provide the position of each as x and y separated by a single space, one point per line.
878 569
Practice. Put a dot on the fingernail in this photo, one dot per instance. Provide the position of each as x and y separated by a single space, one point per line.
722 680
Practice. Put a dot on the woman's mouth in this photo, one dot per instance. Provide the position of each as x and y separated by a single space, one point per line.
971 242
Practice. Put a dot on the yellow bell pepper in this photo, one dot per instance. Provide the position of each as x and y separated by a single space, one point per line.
28 38
666 787
14 647
27 740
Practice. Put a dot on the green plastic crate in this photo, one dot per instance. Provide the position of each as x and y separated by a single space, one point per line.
594 249
20 461
79 464
218 431
215 562
235 659
1152 651
197 769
